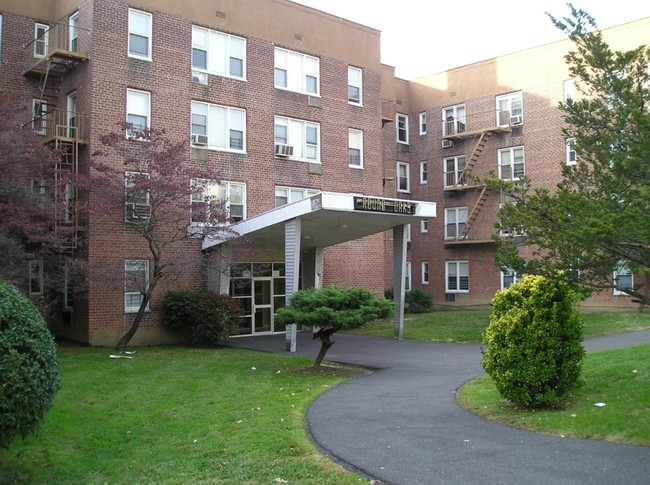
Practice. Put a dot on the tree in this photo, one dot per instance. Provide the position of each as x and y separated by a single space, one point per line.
331 309
143 184
28 366
596 220
32 182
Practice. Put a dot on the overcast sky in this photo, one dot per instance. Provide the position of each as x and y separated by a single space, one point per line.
421 37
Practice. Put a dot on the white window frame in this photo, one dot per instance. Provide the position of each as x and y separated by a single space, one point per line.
407 277
459 267
138 103
512 164
571 155
292 194
41 39
422 122
569 87
424 172
405 177
36 278
220 193
355 82
132 266
510 274
511 103
402 128
454 119
297 136
455 222
424 226
221 122
39 118
298 68
73 32
355 143
136 30
425 272
455 177
137 207
221 50
622 271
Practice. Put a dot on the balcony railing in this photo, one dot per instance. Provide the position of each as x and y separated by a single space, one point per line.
72 43
468 127
60 124
475 235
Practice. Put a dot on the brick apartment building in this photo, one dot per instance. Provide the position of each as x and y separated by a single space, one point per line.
312 139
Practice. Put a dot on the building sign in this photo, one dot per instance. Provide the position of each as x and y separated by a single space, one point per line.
373 204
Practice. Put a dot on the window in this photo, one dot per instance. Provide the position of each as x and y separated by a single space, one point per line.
224 126
508 278
36 283
138 108
403 179
39 120
424 227
402 128
218 53
623 279
41 39
355 148
73 24
453 120
425 272
297 72
287 195
455 222
511 163
455 171
407 277
355 77
423 123
71 114
303 136
424 172
457 276
510 109
571 157
136 273
569 89
140 34
136 196
227 198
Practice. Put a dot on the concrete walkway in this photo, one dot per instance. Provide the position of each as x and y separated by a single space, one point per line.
401 424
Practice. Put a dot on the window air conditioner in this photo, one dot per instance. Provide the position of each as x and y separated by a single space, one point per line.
516 120
199 77
447 143
282 150
200 140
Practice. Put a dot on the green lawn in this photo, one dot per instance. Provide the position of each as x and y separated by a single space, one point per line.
177 416
618 378
468 325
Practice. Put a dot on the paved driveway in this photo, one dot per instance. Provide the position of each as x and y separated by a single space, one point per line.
401 424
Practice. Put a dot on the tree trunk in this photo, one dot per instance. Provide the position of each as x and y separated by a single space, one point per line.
126 338
324 335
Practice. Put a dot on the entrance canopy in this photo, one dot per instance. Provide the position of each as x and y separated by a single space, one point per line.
328 218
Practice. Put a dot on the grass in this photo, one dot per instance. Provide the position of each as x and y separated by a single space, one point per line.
469 325
177 416
618 378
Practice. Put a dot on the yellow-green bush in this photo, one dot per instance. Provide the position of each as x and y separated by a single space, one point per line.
534 342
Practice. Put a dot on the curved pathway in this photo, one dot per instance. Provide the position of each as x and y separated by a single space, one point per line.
401 425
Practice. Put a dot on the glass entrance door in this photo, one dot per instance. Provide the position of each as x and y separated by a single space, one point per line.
262 305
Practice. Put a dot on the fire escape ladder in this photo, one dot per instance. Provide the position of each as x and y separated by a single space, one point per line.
478 149
66 193
476 209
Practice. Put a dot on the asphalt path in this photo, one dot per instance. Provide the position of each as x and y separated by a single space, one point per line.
401 424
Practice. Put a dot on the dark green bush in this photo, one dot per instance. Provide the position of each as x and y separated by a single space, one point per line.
534 342
28 366
417 301
202 317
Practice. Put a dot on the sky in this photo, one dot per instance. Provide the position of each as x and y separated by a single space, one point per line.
454 33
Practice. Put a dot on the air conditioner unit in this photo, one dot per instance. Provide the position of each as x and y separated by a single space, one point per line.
516 120
282 150
199 77
200 140
447 143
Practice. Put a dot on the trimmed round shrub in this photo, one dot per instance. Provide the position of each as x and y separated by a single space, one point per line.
28 366
202 317
534 342
417 301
